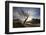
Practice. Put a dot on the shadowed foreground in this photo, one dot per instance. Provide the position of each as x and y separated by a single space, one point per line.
32 23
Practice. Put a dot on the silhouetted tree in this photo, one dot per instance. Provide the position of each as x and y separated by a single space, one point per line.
25 14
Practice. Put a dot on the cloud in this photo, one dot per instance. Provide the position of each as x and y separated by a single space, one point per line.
23 12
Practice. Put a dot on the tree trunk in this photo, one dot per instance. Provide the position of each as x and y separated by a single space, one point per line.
25 20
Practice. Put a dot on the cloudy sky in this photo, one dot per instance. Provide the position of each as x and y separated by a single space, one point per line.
23 12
